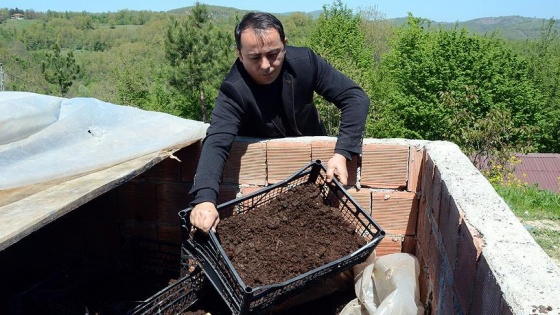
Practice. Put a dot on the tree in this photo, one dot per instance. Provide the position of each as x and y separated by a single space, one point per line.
60 70
297 27
200 56
337 36
543 57
442 74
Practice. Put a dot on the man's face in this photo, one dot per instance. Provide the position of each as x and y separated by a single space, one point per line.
262 54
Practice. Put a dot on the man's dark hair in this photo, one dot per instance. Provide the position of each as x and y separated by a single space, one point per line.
258 21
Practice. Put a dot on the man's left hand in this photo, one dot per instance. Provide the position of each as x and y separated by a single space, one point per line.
336 166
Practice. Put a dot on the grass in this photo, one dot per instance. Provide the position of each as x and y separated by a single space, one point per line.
539 211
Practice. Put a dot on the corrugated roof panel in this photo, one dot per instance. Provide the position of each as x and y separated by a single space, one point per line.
541 168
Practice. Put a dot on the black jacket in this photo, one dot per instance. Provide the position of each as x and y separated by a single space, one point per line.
237 113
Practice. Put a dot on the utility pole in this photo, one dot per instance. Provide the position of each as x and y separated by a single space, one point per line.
1 77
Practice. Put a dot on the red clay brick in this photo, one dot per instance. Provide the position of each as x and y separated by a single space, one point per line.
487 294
246 163
102 239
427 181
142 229
245 190
392 211
424 230
171 198
425 284
450 219
465 271
137 201
323 149
384 166
390 244
169 233
448 301
362 197
285 157
411 228
189 157
168 169
436 195
227 192
409 244
436 262
416 160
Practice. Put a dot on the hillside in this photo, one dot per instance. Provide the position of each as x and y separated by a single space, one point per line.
509 27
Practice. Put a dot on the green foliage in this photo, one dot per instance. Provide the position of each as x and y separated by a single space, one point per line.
470 89
538 209
529 202
297 27
488 95
60 70
200 56
543 58
338 37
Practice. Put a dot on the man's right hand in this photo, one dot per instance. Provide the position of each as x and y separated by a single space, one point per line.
204 216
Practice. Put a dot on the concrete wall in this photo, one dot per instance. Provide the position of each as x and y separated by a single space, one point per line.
475 256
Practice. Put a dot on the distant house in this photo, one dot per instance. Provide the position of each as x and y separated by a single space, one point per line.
17 16
542 169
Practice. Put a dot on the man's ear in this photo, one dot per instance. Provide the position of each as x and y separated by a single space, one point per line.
239 55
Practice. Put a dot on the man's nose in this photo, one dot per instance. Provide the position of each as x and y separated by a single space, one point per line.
265 63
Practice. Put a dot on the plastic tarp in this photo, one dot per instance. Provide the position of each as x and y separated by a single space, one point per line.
45 137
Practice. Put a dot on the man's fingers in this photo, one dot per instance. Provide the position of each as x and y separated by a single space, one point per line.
204 216
330 174
215 224
342 179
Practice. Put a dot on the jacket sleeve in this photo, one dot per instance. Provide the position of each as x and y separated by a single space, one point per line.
350 98
224 126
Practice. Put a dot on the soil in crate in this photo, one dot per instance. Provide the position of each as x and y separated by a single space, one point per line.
293 234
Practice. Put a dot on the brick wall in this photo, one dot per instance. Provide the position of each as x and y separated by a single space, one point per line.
397 182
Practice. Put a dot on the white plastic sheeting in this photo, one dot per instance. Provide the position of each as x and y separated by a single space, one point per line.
44 137
386 285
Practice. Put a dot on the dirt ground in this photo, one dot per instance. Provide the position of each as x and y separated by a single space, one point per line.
546 233
291 235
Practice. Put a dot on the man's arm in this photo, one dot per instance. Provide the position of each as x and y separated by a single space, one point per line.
225 123
352 101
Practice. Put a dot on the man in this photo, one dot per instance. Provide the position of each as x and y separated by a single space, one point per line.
268 93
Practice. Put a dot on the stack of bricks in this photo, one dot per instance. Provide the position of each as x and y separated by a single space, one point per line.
384 181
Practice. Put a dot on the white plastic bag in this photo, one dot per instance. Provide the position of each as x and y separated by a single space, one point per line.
387 285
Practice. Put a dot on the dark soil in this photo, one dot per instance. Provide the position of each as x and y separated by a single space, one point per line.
289 236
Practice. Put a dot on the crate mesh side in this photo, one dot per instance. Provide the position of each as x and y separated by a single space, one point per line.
242 299
174 299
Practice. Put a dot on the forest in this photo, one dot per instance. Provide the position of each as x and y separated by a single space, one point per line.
490 95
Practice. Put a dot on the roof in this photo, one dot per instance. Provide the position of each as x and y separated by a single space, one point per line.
542 169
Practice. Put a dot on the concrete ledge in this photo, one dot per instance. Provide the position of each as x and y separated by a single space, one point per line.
525 274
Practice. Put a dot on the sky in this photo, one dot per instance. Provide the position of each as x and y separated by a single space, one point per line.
437 10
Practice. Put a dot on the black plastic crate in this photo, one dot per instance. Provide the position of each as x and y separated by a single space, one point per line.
175 298
219 270
143 255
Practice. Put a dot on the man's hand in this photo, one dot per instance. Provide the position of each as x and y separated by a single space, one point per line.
204 216
336 166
